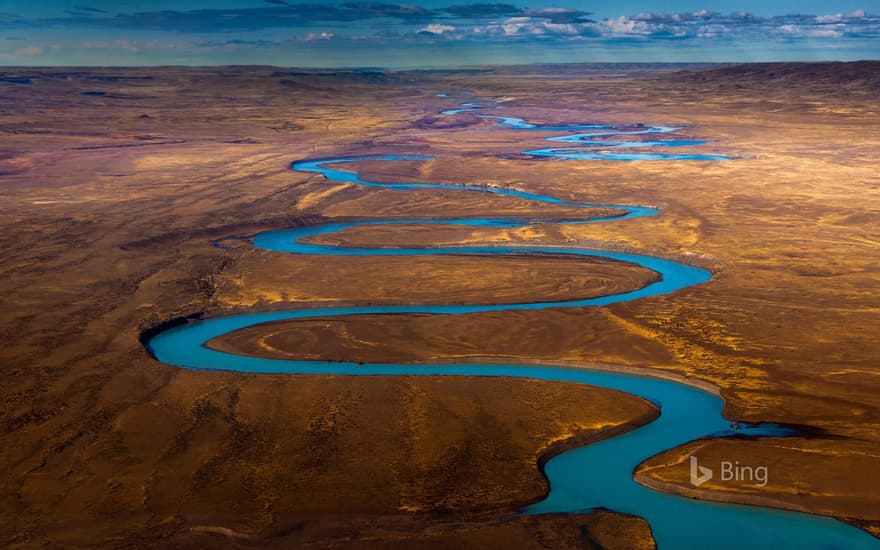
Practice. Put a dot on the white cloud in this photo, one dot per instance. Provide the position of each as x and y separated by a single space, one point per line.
698 25
713 31
531 27
824 33
829 18
435 28
839 17
312 36
624 26
798 31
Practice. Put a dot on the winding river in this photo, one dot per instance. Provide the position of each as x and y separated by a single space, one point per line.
598 475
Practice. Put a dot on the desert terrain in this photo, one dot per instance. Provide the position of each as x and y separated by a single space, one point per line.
129 197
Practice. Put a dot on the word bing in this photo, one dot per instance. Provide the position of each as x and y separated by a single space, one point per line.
729 471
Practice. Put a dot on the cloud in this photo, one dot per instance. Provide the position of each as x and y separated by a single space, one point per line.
367 10
705 24
625 26
795 30
279 15
482 11
838 17
496 11
234 43
89 9
436 29
237 43
531 28
499 22
565 24
80 12
8 19
312 36
677 18
560 15
712 31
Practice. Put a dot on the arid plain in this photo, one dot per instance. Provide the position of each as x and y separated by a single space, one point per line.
128 199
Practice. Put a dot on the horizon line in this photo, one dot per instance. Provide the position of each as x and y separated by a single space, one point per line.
417 68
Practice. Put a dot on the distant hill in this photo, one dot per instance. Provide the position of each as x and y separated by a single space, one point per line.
859 77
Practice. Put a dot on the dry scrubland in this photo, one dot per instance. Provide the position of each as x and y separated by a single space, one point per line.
115 184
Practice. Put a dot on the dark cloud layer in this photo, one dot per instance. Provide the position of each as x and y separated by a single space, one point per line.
249 19
89 9
474 21
235 42
12 19
476 11
560 15
368 10
281 14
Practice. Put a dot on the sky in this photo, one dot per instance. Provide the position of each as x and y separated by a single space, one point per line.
432 33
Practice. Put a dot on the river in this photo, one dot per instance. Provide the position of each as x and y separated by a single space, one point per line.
598 475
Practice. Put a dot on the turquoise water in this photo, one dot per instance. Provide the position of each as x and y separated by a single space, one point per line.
597 475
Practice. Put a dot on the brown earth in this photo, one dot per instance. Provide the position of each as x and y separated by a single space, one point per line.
595 531
110 205
108 224
268 278
820 475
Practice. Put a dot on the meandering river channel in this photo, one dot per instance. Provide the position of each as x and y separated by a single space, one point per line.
598 475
